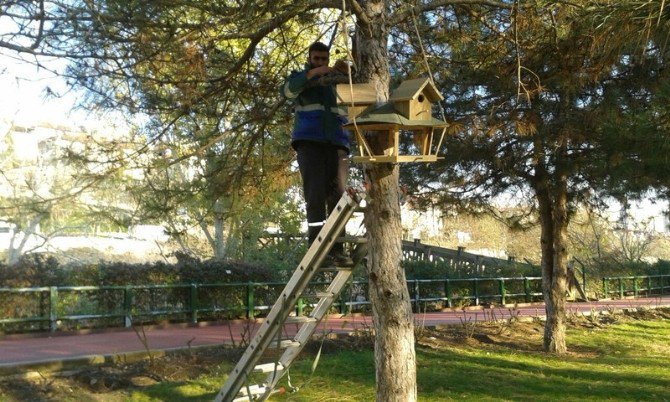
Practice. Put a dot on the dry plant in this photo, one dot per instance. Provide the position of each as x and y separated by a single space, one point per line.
420 326
142 336
469 327
508 323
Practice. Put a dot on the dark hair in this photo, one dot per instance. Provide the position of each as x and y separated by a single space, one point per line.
318 47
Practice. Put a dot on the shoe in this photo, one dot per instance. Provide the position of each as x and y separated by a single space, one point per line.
341 259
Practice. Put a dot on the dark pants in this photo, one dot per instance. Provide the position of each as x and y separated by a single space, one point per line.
324 169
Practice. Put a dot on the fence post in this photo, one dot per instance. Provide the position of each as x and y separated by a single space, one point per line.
621 292
501 284
475 289
345 297
250 300
53 308
417 300
649 291
127 306
447 292
458 262
526 289
584 282
300 306
194 303
606 287
635 289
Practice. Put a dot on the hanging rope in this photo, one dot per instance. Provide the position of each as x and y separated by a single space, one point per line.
430 76
350 62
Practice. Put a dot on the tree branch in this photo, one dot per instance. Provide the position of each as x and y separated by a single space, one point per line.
434 5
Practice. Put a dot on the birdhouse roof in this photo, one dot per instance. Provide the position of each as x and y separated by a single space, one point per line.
364 94
387 115
411 89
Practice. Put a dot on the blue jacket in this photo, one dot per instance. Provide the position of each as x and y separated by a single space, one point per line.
317 116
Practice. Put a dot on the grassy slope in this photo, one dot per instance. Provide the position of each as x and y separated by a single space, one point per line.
628 360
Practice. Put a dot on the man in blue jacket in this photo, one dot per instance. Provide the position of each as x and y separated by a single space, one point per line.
321 143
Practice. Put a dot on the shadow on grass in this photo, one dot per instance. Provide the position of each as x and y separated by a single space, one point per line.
535 377
185 391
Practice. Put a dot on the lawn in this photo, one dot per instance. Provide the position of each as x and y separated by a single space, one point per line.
611 358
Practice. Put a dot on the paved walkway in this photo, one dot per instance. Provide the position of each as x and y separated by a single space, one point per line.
21 352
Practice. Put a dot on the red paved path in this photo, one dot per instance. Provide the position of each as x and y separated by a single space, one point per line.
19 351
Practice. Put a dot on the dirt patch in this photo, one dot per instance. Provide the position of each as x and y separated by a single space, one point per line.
522 336
115 382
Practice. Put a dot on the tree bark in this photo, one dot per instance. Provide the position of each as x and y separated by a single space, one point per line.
395 358
555 299
552 202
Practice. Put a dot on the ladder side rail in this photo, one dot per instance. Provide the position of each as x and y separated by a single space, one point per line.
305 332
335 223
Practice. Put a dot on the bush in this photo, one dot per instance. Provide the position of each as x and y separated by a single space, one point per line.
38 270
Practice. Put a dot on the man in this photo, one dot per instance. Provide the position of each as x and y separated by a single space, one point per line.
321 143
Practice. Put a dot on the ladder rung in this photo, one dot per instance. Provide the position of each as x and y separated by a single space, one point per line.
352 239
269 367
253 390
301 319
361 209
285 343
335 269
245 398
321 295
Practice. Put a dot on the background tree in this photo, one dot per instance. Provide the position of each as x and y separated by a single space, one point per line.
529 88
53 181
200 86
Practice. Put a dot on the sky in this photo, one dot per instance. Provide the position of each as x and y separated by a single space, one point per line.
24 100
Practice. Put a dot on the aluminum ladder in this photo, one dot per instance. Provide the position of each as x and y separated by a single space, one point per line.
237 388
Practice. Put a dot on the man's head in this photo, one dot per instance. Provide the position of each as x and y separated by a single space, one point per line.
319 54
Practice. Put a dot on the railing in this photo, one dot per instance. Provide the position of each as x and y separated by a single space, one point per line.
71 307
415 251
649 285
459 258
68 307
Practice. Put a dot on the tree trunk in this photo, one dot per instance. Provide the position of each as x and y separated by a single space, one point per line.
555 299
14 253
552 202
395 358
219 236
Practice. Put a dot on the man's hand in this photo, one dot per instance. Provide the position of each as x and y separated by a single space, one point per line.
318 71
341 66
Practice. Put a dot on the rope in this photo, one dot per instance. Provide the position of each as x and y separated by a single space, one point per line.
350 62
430 76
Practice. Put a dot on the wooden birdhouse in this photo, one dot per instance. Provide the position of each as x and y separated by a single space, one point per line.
364 95
414 99
408 113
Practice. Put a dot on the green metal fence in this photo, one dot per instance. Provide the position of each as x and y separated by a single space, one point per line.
625 286
71 307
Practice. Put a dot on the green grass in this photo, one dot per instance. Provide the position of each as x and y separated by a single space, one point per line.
625 361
